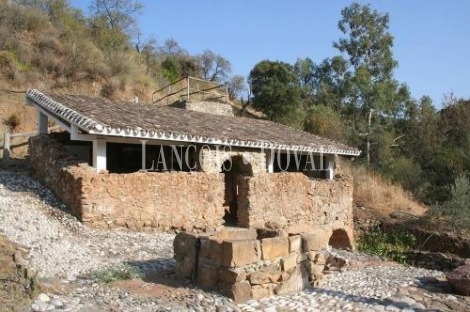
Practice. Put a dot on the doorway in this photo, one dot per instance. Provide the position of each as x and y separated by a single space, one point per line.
235 172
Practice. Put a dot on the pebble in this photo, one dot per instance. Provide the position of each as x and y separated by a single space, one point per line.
43 297
65 250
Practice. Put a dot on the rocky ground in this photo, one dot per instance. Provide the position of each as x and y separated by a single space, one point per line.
63 252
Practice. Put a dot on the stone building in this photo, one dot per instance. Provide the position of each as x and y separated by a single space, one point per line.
191 167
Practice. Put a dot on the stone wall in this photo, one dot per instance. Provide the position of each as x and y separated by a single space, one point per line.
251 264
213 159
195 200
177 200
299 204
209 107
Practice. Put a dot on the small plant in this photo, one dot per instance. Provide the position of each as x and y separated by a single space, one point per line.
115 273
12 121
389 245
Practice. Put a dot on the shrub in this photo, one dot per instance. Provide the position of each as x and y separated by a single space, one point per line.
12 121
110 87
389 245
457 208
115 273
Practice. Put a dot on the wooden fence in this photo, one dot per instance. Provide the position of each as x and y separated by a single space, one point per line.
7 142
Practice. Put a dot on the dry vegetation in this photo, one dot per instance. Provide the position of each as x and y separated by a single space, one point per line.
16 290
379 197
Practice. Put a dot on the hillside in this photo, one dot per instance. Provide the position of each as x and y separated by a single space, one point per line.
51 46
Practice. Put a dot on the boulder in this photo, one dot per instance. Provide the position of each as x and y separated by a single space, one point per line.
459 279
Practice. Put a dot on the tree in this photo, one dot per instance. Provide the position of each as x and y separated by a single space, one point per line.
370 94
172 47
117 14
235 85
277 93
324 121
214 67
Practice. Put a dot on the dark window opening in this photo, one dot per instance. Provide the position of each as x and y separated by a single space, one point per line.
127 158
313 167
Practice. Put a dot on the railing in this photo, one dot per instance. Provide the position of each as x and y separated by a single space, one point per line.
7 142
190 89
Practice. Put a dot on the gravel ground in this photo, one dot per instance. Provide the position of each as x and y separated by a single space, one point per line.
63 251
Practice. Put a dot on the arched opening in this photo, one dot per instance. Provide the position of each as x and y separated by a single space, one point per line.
236 170
340 239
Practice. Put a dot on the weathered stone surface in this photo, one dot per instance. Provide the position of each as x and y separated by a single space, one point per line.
284 276
314 241
459 279
176 200
311 203
231 275
226 234
270 274
184 245
320 258
240 252
258 292
289 262
185 268
297 281
275 247
295 243
239 292
207 276
210 248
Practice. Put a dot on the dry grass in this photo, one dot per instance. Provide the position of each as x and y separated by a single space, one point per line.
380 197
16 290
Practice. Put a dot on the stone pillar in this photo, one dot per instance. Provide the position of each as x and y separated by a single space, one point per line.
43 123
330 173
270 161
99 155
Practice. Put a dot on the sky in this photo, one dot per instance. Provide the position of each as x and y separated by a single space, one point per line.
431 38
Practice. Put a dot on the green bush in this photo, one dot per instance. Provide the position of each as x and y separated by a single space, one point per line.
115 273
457 208
389 245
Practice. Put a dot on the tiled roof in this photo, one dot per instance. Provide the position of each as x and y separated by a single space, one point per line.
100 116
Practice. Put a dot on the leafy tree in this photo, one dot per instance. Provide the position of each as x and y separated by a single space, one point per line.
175 67
214 67
365 81
324 121
277 93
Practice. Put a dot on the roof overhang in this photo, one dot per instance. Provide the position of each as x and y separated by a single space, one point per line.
69 118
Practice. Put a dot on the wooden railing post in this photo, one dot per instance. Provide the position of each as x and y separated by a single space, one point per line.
6 148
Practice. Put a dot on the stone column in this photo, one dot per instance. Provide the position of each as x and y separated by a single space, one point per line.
99 155
43 123
330 173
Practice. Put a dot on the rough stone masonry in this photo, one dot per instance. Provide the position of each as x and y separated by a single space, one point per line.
194 201
251 264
